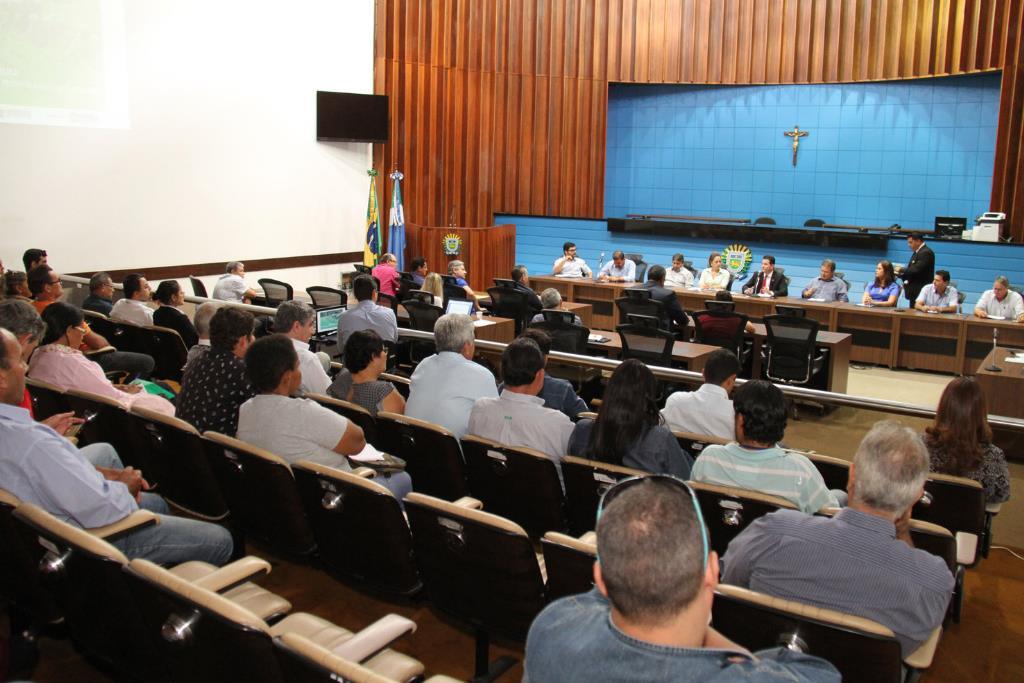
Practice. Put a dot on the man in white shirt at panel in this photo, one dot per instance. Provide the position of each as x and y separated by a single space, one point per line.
231 286
939 296
709 409
1000 302
132 308
619 269
678 275
297 320
570 265
444 387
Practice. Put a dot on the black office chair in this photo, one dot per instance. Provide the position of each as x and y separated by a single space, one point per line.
790 355
651 345
639 302
814 223
689 266
363 269
275 292
715 305
764 220
565 334
198 288
501 282
326 297
419 295
794 311
452 290
510 303
405 285
641 265
422 316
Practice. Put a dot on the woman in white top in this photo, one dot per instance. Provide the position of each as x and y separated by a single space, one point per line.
433 284
714 276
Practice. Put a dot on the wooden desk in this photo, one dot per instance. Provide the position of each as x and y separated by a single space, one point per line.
838 344
693 355
1003 392
978 341
600 296
584 311
502 330
930 341
875 332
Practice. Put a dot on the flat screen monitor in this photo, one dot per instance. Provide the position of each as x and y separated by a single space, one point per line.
950 226
463 306
327 319
350 117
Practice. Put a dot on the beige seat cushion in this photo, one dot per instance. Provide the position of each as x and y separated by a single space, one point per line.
259 601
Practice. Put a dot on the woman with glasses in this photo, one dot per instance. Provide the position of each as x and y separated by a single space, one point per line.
59 362
628 430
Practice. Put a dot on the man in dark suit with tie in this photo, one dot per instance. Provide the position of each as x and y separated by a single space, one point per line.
767 280
921 269
670 304
521 277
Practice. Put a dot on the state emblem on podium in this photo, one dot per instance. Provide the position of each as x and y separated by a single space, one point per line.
451 244
737 258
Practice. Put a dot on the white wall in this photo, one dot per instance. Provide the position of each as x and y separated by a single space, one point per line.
219 160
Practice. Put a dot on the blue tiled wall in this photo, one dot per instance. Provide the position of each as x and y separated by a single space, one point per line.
877 153
972 264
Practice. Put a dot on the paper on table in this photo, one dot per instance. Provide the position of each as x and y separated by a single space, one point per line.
1014 359
813 298
596 338
997 317
368 454
482 323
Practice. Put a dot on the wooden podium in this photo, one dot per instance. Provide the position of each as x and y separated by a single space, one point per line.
488 252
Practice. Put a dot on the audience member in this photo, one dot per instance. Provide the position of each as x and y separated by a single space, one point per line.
134 307
960 440
366 358
558 394
826 286
418 270
434 285
678 275
628 430
517 417
40 467
709 409
386 273
101 294
170 297
551 300
298 428
570 265
33 258
521 276
619 269
60 361
216 385
202 321
672 311
367 315
862 561
445 386
297 321
16 286
457 269
755 460
231 285
939 296
1000 302
716 326
648 618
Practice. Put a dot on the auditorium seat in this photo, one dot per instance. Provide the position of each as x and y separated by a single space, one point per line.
359 528
585 482
387 301
402 384
422 316
432 454
732 337
764 220
814 223
728 510
511 303
647 343
326 297
566 335
694 444
790 352
275 292
198 288
47 399
356 413
835 471
862 649
569 562
518 483
105 420
477 567
167 349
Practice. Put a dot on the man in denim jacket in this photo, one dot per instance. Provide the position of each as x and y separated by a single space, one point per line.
648 617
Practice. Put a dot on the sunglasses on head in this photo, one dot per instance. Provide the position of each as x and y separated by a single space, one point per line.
680 485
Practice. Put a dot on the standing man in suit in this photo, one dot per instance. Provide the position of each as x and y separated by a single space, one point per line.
673 311
767 280
921 269
521 276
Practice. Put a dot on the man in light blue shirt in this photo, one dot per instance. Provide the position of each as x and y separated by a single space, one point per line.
619 269
826 287
367 315
39 466
939 296
445 386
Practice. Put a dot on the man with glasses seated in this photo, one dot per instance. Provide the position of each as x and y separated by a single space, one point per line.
101 294
648 617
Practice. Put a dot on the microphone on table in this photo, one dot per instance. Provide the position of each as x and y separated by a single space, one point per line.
995 343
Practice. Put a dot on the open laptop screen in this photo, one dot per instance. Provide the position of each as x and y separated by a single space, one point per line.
459 306
327 319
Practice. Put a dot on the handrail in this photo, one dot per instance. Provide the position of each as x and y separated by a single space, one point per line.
670 374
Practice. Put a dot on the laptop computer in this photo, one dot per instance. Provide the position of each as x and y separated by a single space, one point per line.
327 320
463 306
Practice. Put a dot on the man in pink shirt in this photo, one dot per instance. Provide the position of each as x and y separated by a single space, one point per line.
387 273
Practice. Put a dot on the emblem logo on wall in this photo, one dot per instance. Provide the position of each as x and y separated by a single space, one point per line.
451 244
737 259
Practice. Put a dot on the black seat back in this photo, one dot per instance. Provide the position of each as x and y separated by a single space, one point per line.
326 297
510 303
728 511
432 454
569 563
955 503
275 292
355 413
168 351
21 584
198 288
585 482
422 315
650 345
47 399
567 337
791 343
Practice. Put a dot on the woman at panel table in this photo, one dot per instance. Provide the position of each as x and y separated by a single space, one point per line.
714 276
883 291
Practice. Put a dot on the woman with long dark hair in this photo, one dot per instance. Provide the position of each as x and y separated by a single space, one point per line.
884 291
170 297
628 430
960 440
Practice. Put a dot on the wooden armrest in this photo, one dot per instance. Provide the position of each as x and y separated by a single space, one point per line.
375 638
95 352
364 472
921 658
469 502
231 575
589 537
140 519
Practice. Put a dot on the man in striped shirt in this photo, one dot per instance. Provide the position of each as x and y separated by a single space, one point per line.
755 461
862 561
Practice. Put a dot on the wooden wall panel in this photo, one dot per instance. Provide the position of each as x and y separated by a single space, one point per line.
501 105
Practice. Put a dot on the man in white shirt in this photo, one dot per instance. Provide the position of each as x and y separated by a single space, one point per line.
296 320
132 308
231 286
709 409
445 386
518 417
367 315
619 269
570 265
1000 302
939 296
678 275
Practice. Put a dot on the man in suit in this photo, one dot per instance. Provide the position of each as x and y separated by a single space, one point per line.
673 311
767 280
521 276
921 269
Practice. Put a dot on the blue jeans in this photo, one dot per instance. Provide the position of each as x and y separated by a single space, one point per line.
102 455
399 483
176 539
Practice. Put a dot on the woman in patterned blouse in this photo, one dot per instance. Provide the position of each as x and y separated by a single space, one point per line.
365 359
960 441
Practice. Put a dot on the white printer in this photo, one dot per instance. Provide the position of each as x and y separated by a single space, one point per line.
987 227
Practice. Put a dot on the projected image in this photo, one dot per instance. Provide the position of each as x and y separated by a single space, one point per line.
62 63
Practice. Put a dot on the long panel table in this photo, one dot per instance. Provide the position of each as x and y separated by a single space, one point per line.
897 338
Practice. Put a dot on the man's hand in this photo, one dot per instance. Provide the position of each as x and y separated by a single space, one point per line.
132 478
129 388
62 422
980 312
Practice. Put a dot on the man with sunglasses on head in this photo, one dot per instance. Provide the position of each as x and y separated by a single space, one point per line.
648 617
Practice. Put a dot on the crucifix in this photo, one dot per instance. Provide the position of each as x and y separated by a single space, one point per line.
796 134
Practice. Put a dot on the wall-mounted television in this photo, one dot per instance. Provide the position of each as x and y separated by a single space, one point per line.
349 117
